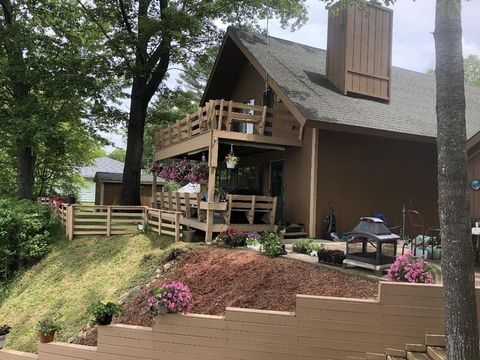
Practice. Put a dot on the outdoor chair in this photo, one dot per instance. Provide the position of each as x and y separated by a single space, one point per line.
416 227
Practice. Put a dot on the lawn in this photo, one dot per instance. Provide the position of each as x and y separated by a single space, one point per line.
72 277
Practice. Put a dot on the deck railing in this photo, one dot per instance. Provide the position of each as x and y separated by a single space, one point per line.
215 115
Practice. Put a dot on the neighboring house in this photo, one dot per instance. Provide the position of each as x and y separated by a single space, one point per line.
108 188
102 164
340 126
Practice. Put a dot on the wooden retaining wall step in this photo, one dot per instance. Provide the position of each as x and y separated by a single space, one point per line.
435 340
437 352
417 356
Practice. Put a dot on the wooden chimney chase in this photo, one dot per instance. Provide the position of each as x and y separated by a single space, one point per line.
359 50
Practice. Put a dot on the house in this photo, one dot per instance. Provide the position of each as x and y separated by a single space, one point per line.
314 127
102 164
108 188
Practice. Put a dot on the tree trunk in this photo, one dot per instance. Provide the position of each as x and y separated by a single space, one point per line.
25 172
133 159
454 211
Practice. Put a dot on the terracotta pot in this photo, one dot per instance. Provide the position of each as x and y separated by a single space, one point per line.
47 338
107 320
2 341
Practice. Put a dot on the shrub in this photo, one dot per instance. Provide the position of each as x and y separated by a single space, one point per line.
271 244
307 246
47 325
25 234
409 268
174 297
104 312
334 257
231 237
171 186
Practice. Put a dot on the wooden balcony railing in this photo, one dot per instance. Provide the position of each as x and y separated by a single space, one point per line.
215 115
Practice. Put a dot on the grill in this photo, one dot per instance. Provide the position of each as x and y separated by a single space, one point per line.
371 245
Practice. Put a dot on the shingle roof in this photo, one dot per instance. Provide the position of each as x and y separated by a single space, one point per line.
104 164
117 178
300 71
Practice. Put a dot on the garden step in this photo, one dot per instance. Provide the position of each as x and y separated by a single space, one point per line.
293 236
397 354
417 356
437 352
416 347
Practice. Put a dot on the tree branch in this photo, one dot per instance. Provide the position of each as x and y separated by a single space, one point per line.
123 11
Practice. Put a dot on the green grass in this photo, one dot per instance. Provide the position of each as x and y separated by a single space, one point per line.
71 278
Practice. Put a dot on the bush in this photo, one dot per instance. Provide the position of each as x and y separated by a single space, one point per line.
25 234
334 257
271 244
306 246
409 268
231 237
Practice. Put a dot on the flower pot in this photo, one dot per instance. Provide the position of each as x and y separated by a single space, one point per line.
162 310
188 235
106 320
419 253
141 227
47 338
2 341
437 253
231 164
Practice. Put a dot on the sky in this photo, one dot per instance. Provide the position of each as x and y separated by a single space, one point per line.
413 44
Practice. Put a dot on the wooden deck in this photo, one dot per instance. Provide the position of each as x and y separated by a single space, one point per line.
229 120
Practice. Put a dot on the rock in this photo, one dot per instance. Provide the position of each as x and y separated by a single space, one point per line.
168 266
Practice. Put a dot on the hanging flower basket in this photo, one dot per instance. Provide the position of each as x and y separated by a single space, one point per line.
231 161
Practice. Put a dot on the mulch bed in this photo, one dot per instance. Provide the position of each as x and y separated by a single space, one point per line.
221 278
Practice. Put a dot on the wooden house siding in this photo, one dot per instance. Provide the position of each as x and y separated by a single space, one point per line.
362 174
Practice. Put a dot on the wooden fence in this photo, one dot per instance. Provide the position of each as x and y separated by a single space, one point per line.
81 220
321 328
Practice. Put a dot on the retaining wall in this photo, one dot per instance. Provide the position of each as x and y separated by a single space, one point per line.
321 328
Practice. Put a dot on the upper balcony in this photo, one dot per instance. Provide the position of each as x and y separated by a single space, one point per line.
234 121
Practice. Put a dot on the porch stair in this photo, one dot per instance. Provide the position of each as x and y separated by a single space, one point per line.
433 349
293 232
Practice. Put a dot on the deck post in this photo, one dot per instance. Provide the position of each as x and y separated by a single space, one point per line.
154 192
109 221
312 221
70 221
212 172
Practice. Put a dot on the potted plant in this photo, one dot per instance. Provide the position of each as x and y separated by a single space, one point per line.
410 268
188 234
174 297
141 227
4 331
103 313
231 161
46 329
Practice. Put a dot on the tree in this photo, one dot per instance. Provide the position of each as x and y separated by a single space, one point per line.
117 154
53 71
148 36
472 70
471 65
461 326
